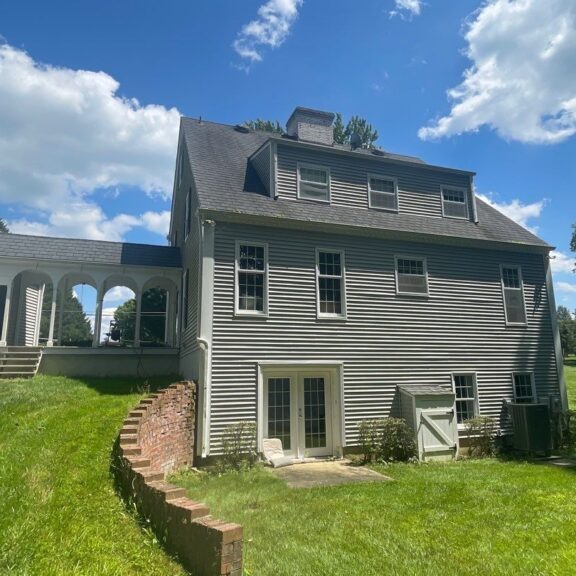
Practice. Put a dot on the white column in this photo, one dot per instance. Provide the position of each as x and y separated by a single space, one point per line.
137 322
61 314
52 317
4 335
98 316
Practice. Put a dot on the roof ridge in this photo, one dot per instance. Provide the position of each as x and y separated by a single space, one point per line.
73 239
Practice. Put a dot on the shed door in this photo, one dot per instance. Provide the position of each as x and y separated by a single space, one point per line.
437 433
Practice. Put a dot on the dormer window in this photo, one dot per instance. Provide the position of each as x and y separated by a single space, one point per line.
313 183
382 193
455 203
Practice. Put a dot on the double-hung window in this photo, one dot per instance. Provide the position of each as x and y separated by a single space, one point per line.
382 193
330 284
411 276
313 183
454 203
251 279
524 392
466 396
513 290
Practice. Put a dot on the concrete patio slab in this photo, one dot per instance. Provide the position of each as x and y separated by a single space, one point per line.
315 474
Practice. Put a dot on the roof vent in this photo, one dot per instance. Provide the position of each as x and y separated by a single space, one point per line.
378 152
242 128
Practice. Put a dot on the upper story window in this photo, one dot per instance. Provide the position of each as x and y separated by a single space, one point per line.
466 396
513 295
455 203
382 193
524 391
331 300
411 276
313 183
251 279
188 215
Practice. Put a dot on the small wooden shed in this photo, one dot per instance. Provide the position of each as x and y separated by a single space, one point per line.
430 412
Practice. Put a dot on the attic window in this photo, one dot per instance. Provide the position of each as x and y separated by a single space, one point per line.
454 203
382 193
313 183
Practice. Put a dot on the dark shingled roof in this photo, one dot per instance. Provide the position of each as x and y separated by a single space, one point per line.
226 182
93 251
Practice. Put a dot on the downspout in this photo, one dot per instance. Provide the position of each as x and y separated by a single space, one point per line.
202 393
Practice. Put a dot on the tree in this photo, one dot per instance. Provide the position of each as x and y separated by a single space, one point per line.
573 239
342 132
260 125
76 328
152 322
3 227
567 328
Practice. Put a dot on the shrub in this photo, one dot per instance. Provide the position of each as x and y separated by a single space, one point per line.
563 428
239 445
397 444
370 438
481 432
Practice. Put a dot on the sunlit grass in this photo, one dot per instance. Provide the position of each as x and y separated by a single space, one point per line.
59 514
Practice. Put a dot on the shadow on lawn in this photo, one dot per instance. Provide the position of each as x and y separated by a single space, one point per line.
114 386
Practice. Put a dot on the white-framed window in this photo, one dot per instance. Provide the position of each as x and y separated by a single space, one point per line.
455 203
188 215
330 283
524 388
251 292
382 192
411 275
185 297
313 182
466 392
513 294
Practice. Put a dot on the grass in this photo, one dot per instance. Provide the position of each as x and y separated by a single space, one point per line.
570 376
59 514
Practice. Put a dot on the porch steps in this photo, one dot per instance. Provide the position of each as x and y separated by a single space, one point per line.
19 361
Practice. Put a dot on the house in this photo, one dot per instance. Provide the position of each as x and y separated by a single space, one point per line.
311 281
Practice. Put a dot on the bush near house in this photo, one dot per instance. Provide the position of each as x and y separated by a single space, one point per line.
386 440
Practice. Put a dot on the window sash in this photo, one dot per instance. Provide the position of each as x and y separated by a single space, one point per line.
513 295
313 183
411 276
455 203
330 295
465 390
251 280
523 383
382 199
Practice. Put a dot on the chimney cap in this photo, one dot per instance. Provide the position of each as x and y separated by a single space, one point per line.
312 112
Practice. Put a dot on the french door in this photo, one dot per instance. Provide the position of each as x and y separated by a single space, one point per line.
297 410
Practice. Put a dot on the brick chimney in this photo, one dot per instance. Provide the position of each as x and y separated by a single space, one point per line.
311 126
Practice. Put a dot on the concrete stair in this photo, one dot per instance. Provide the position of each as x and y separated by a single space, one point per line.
19 361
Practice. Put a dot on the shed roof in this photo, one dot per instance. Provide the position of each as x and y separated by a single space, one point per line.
20 246
424 390
227 182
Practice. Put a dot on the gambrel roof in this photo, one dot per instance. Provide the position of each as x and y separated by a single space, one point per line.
227 184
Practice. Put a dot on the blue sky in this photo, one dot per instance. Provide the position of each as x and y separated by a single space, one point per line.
90 95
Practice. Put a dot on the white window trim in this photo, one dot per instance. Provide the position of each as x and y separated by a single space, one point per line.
532 383
382 177
324 315
328 181
466 202
519 268
474 389
250 313
411 257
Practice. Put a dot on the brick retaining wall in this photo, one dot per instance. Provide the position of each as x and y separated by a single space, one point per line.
158 438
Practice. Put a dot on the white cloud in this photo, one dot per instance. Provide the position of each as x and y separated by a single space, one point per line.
560 262
270 28
81 219
118 294
521 82
517 210
65 133
566 287
405 8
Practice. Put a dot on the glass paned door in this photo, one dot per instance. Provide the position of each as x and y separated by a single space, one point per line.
279 413
314 413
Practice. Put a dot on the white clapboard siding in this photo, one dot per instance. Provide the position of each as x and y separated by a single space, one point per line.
419 187
387 339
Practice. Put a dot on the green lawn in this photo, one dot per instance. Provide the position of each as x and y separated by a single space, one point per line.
570 376
59 514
